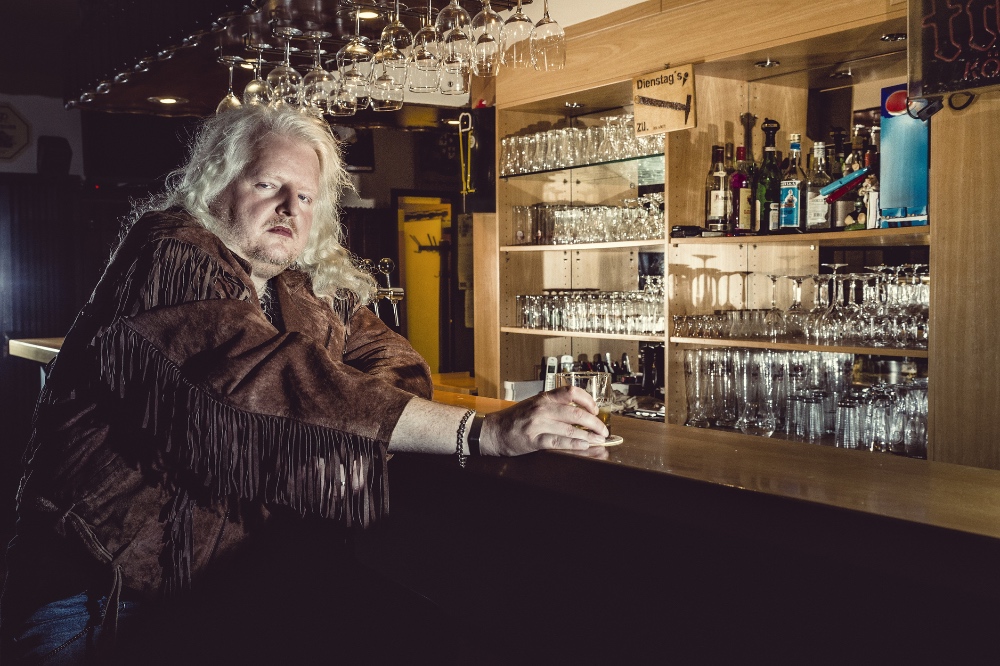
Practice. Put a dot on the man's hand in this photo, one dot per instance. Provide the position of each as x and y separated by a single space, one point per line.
546 421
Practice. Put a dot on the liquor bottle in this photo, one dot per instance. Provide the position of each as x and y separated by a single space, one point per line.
718 200
741 188
768 181
870 192
790 218
839 136
817 216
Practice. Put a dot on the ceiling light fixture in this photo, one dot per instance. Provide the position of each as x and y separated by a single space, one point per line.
167 100
893 37
767 64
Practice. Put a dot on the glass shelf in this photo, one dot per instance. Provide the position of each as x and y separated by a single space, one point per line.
656 243
580 334
795 346
657 156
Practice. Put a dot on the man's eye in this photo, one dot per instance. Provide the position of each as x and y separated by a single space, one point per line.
305 199
263 186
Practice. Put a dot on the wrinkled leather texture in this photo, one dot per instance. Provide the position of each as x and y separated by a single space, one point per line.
177 418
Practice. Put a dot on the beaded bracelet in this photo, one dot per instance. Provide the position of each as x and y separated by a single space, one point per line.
461 436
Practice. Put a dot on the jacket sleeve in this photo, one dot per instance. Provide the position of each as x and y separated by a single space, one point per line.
378 351
238 410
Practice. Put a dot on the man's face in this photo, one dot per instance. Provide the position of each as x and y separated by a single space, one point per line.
266 213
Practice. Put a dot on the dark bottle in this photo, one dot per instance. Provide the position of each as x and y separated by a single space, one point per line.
790 213
718 200
741 186
768 181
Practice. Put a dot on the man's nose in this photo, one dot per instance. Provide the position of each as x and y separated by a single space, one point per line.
289 204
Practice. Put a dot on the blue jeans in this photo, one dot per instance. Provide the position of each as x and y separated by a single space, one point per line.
63 632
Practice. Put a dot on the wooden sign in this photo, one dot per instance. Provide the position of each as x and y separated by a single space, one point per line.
954 45
664 101
14 134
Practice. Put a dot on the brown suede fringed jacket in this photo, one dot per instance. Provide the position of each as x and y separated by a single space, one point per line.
176 417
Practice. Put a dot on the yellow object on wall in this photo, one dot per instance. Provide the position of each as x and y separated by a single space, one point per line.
420 223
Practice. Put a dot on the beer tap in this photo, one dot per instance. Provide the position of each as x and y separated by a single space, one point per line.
368 266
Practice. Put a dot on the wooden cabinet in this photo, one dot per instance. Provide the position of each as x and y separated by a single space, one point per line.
726 41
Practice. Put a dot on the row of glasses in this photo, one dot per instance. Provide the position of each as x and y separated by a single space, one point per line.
439 58
565 147
806 396
593 311
639 218
876 309
885 418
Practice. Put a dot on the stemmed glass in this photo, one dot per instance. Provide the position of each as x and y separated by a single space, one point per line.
257 91
230 101
342 101
814 318
774 320
548 44
318 84
795 315
354 62
607 150
424 62
454 28
487 42
832 321
516 42
390 66
283 80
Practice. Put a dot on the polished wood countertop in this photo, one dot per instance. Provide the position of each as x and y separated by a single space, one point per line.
953 497
42 350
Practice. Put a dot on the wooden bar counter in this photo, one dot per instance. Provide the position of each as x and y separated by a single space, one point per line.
700 545
695 545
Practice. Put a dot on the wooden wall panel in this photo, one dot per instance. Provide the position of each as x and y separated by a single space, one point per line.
964 348
486 314
632 42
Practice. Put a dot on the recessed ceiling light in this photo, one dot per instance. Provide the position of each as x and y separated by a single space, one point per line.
368 14
167 100
574 105
765 64
893 37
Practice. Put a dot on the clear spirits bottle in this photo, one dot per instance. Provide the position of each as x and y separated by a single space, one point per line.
817 216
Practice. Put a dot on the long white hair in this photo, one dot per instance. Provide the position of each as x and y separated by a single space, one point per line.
226 145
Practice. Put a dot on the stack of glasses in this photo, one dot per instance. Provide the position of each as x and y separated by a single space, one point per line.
808 396
566 147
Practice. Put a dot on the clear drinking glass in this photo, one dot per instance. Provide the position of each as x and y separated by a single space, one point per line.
487 42
548 44
454 28
424 61
516 41
597 384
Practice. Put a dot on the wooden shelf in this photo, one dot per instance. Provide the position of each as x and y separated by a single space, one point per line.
654 243
580 334
795 346
882 237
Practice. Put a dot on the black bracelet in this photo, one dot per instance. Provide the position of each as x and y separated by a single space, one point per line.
461 435
474 431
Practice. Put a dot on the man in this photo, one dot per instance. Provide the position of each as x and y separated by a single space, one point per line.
225 369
